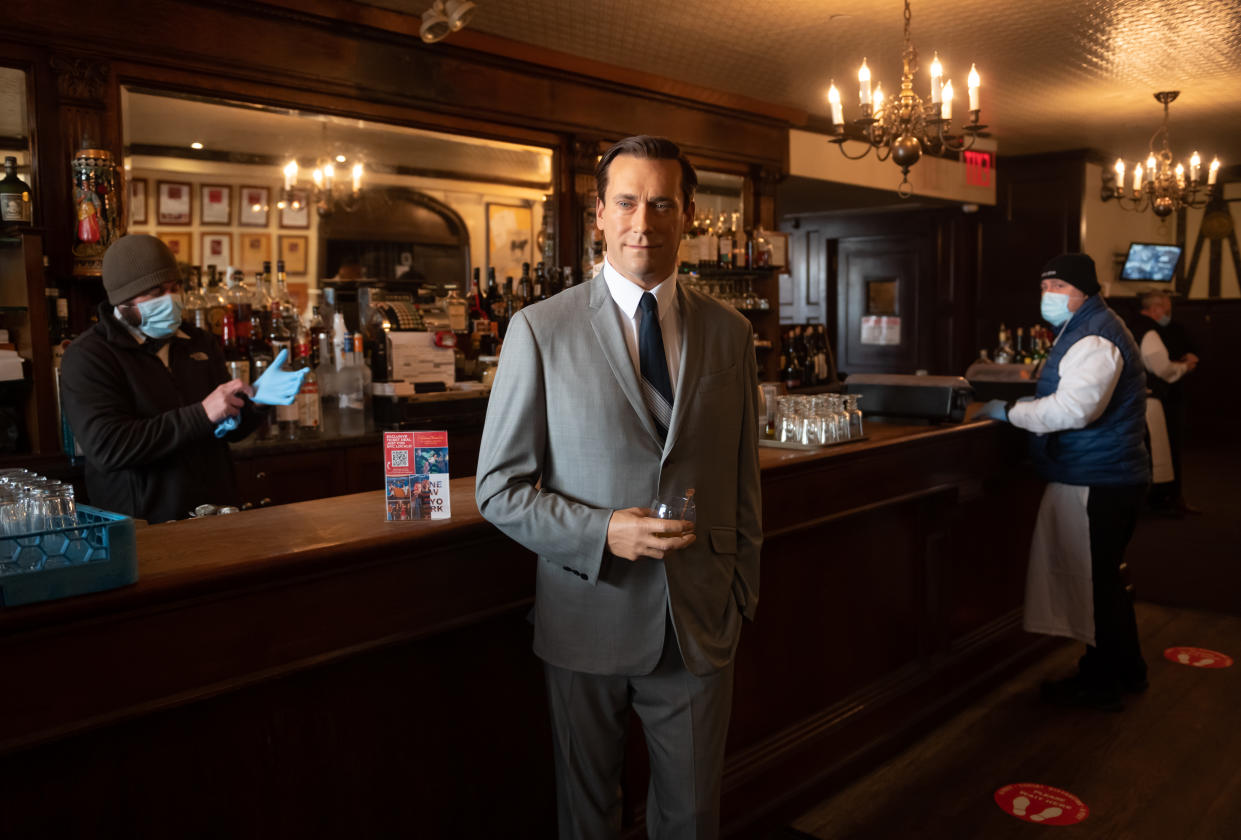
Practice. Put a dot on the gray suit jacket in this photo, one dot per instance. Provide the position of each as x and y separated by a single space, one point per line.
568 440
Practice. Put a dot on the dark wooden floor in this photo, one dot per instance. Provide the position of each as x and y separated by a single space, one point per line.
1168 766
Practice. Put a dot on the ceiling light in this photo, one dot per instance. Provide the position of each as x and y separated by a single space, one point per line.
435 24
196 145
1161 186
340 158
901 127
459 13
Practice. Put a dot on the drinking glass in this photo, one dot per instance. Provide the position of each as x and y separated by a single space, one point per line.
855 414
676 507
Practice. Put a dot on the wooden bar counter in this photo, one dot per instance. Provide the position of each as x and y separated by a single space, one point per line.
310 670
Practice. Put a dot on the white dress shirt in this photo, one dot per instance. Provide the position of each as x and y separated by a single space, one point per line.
1155 358
627 295
1089 371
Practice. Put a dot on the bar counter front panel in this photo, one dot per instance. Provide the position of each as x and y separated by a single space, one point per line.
311 670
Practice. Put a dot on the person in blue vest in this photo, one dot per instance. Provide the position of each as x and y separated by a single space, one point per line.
1087 422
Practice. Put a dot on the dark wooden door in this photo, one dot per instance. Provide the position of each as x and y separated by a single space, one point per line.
884 287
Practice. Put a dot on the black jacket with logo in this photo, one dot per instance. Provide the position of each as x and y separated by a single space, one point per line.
150 449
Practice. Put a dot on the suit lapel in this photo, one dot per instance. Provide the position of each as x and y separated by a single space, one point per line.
607 329
691 364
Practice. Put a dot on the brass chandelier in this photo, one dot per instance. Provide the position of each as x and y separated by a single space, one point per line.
1160 186
904 127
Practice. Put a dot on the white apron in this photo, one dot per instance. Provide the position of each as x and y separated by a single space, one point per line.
1059 587
1161 450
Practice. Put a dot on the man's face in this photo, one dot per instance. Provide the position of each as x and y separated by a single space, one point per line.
169 287
1158 308
1076 296
642 218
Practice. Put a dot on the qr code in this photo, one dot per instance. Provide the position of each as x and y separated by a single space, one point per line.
400 457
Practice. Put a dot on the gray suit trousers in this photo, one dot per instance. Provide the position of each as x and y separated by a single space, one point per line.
685 721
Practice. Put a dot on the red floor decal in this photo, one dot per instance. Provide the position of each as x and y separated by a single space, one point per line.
1197 657
1041 804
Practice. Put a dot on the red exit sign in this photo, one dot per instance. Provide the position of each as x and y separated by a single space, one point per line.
979 167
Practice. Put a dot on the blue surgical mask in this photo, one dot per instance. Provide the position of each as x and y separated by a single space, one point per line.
160 316
1164 321
1055 308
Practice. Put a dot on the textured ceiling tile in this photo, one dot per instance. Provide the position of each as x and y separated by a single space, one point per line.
1057 74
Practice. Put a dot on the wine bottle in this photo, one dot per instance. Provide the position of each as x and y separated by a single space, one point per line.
16 201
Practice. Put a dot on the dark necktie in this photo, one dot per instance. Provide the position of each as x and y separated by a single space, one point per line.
656 383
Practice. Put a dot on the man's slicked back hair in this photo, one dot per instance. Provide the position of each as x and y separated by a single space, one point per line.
653 148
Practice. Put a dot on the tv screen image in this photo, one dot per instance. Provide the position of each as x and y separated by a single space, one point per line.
1150 262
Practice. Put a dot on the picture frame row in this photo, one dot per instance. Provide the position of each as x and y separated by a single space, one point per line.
253 249
175 205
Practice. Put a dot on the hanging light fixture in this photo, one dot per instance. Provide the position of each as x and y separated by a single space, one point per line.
445 17
1159 185
902 127
328 190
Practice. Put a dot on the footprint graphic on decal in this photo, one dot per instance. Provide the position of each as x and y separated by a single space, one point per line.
1046 813
1019 806
1183 658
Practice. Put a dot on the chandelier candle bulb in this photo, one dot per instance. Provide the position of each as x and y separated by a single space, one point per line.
1120 172
317 177
1212 172
1195 166
1151 168
947 107
878 98
329 175
937 80
975 82
357 177
838 110
1137 179
863 77
1180 175
290 174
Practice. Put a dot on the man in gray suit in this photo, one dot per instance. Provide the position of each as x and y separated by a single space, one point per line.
607 395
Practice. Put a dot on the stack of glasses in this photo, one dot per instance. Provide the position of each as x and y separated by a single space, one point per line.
818 420
31 503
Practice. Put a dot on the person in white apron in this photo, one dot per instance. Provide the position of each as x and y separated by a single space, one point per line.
1087 420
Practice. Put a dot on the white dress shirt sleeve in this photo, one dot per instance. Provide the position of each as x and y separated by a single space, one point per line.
1089 371
1155 358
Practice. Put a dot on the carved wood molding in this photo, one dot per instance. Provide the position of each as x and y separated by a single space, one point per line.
81 81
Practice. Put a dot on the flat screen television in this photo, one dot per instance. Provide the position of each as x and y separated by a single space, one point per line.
1150 262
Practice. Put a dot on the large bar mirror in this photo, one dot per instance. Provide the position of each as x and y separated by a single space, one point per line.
339 200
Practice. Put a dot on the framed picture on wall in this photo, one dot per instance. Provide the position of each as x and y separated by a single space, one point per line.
299 216
217 250
510 239
181 245
137 201
255 249
215 204
293 251
779 248
253 208
174 205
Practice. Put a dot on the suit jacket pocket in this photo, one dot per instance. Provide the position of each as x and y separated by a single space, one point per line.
719 379
724 540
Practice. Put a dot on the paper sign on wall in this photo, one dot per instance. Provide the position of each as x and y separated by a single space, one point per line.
416 475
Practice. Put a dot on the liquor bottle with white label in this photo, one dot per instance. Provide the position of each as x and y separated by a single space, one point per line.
15 197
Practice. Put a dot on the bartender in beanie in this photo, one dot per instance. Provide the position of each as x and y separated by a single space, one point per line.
1087 422
143 393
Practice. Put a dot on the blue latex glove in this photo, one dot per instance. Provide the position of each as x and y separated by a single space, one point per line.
227 425
993 410
277 386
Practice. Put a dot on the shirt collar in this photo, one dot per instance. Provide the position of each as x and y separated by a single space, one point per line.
628 294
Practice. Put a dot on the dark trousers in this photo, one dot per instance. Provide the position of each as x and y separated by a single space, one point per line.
1171 492
685 721
1116 657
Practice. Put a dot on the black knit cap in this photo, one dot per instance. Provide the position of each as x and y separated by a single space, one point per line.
1074 269
135 264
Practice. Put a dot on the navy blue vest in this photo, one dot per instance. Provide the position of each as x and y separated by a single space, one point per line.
1111 451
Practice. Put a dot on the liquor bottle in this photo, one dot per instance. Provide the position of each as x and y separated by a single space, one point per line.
477 305
235 359
260 351
740 239
260 302
281 293
286 415
16 205
1004 346
802 352
196 302
710 244
62 337
239 308
725 244
351 393
494 298
503 309
309 412
540 282
792 372
525 289
217 305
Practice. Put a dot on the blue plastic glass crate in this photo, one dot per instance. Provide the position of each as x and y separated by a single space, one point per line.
95 554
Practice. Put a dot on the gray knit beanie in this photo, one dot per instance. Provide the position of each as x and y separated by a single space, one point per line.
135 264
